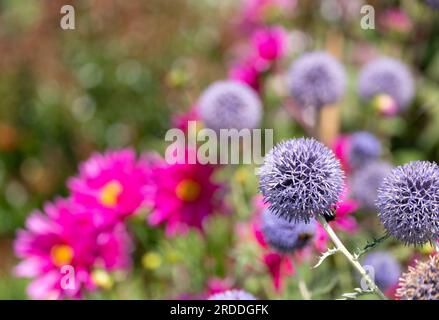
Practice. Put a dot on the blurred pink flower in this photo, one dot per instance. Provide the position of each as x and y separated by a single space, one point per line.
343 221
181 120
256 12
341 149
113 185
278 265
184 195
245 72
270 43
66 236
396 20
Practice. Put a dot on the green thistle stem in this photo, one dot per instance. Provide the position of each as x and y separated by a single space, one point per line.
340 246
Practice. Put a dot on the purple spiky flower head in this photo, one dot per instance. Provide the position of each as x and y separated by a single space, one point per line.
300 179
286 236
317 79
386 268
233 294
408 202
386 76
433 3
364 147
365 182
420 282
230 105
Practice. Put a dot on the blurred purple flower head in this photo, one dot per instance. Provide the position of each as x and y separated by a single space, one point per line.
286 236
366 181
408 202
364 147
433 3
386 76
317 79
386 268
421 282
230 105
233 294
301 178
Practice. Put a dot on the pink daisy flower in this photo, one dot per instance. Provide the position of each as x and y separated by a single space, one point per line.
184 196
63 237
113 184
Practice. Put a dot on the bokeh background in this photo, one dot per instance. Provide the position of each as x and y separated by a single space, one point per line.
117 79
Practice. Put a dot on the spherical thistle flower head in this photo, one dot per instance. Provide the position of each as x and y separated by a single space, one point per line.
317 79
233 294
286 236
301 178
420 282
386 76
366 181
408 202
386 268
230 105
364 148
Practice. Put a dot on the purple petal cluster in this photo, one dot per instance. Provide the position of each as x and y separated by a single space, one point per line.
366 181
364 148
386 268
301 178
317 79
408 202
386 76
233 294
230 105
286 236
421 282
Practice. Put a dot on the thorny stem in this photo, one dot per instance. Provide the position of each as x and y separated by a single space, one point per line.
340 246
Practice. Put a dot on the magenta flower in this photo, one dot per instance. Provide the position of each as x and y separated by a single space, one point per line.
344 221
270 42
184 196
256 12
65 236
181 120
113 184
246 72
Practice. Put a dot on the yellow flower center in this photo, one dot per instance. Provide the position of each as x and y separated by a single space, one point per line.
110 193
61 255
151 260
188 190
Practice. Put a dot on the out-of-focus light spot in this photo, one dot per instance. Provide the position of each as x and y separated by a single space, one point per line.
83 108
16 194
331 10
151 260
118 135
129 72
90 75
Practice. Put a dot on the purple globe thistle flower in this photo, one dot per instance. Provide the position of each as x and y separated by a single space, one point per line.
286 236
433 3
230 105
408 202
233 294
420 282
317 79
301 178
366 181
386 268
386 76
364 147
